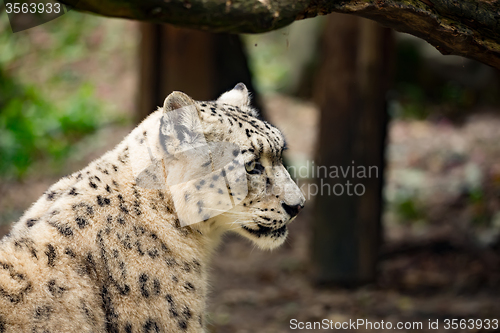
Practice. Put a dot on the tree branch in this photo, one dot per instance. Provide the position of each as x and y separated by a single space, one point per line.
470 28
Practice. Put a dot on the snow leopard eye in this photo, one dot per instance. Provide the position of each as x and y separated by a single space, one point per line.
254 167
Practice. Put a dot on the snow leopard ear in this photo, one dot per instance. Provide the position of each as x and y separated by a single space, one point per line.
238 96
177 100
180 125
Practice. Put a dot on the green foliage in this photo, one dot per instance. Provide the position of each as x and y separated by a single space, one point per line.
408 210
47 102
427 85
33 129
268 61
283 59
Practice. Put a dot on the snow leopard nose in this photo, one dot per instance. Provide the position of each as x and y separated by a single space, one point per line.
292 210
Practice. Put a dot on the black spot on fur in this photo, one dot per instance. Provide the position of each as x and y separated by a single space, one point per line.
139 231
82 222
31 222
103 201
87 311
171 262
136 208
156 287
51 255
26 243
187 312
138 245
54 289
51 195
109 310
43 312
108 189
93 185
83 208
197 266
189 286
69 252
15 298
128 328
150 326
123 157
187 267
153 254
73 192
183 325
122 204
143 279
161 195
63 229
90 267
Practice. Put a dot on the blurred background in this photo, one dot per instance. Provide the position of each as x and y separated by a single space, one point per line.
422 242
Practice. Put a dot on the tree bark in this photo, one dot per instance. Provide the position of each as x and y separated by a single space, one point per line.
350 91
170 60
470 28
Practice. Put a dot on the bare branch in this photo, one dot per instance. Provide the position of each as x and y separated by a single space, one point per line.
469 28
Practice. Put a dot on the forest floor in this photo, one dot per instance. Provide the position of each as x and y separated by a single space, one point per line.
440 258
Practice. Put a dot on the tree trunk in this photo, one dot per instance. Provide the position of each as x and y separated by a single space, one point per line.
350 90
200 64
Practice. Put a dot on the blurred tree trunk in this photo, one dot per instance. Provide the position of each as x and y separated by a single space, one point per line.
200 64
350 90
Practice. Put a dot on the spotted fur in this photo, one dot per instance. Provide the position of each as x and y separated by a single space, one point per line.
103 250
